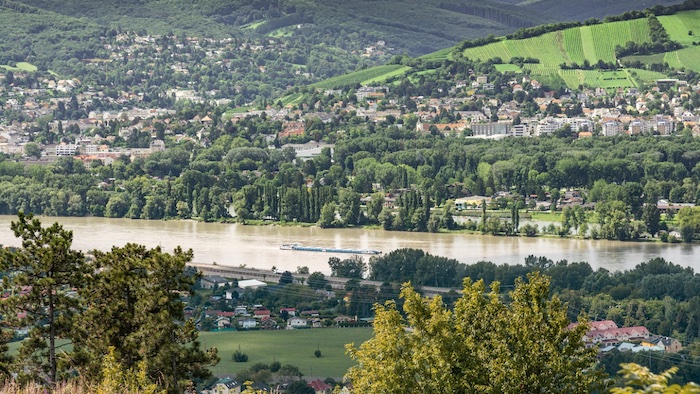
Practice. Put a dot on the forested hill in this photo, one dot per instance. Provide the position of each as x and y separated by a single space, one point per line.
411 26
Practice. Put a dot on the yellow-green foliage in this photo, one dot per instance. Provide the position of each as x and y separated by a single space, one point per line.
640 380
116 378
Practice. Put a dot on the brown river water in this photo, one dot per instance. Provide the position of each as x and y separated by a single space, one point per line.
259 246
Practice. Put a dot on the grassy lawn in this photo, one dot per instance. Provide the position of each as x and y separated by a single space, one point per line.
294 347
21 66
237 110
546 216
680 25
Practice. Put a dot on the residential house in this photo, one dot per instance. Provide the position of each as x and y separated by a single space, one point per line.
309 313
471 202
247 323
224 386
296 322
668 344
320 387
262 313
223 322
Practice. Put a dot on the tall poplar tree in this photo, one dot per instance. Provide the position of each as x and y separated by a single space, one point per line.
41 275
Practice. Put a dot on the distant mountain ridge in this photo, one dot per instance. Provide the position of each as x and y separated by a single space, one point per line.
411 26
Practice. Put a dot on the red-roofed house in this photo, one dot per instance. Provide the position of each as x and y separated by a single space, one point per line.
320 387
262 313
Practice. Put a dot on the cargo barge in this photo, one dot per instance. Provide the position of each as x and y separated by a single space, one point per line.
327 250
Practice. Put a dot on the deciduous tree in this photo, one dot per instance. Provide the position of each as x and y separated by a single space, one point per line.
484 345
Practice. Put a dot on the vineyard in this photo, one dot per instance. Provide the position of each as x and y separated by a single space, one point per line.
375 74
592 43
679 25
502 68
581 49
688 58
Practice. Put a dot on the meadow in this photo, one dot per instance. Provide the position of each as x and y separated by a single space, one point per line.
294 347
679 25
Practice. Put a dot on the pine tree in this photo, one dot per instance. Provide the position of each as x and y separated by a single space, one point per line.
138 291
41 274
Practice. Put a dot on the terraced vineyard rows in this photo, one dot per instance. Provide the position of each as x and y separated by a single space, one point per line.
688 58
358 76
574 45
608 35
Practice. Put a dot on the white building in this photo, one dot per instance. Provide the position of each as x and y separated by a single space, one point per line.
66 149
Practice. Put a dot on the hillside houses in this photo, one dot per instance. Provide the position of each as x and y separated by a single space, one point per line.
608 336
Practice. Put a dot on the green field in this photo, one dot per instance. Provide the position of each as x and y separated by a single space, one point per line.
678 25
294 347
508 68
597 78
286 31
21 66
292 99
645 76
362 76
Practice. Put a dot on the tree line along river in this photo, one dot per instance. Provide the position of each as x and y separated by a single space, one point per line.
259 246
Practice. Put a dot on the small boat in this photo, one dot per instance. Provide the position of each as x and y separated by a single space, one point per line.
297 246
289 246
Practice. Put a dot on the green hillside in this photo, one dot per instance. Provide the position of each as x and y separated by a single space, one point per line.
679 26
586 54
687 58
574 45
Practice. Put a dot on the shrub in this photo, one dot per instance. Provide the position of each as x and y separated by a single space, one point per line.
240 357
317 353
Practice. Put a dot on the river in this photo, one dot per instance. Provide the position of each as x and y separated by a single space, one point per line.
258 246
